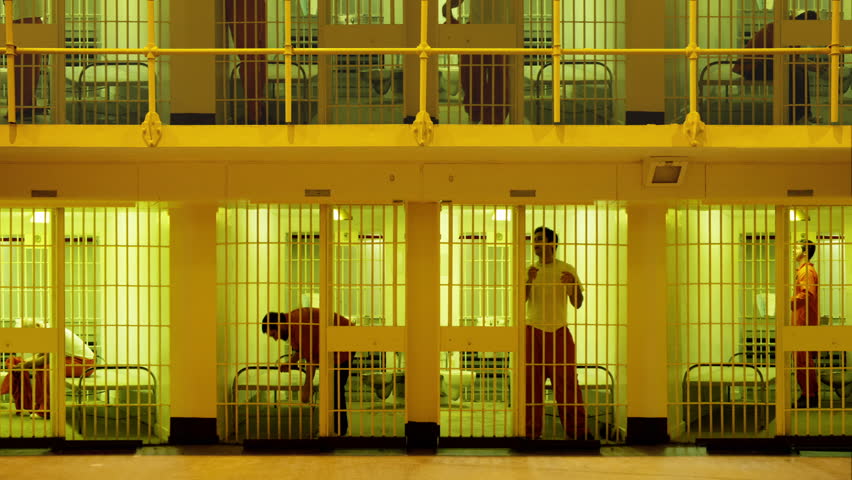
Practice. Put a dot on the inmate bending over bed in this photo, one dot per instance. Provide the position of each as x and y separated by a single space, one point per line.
300 328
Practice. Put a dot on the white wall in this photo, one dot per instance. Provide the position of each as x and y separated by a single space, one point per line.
26 244
707 309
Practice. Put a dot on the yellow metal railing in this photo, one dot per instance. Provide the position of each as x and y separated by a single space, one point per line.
423 124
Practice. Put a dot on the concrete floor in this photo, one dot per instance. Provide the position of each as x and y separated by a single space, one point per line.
214 463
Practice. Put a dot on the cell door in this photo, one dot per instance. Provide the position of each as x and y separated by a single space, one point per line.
28 410
268 263
575 332
479 339
367 287
477 89
723 375
35 25
815 334
117 323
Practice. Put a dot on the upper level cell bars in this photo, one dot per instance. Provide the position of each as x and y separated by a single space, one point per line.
112 89
756 89
592 88
487 89
268 264
722 262
817 284
33 73
368 289
252 88
338 89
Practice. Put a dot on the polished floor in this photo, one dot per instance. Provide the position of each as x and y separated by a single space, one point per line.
215 463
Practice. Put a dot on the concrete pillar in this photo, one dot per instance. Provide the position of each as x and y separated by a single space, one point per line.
647 386
193 324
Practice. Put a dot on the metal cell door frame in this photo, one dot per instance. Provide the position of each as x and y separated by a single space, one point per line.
509 339
792 338
49 340
334 339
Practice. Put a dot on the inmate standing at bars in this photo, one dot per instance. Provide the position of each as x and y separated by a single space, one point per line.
300 328
484 80
550 349
805 306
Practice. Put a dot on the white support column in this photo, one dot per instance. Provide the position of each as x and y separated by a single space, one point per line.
193 324
422 323
411 63
647 387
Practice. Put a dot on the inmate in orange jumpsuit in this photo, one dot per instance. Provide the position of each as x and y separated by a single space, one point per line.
805 306
37 400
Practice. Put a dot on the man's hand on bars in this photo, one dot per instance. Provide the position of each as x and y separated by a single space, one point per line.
531 274
305 392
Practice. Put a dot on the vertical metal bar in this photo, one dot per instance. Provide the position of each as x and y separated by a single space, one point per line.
693 57
57 369
394 321
782 259
424 57
326 316
10 62
152 60
557 61
288 61
834 83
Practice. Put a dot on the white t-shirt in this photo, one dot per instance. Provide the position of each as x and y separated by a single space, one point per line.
76 347
548 304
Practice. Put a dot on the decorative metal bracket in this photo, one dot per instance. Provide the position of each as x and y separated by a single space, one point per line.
694 129
152 129
423 129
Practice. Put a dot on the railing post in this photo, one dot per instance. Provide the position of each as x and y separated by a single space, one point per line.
422 126
692 53
693 126
10 62
288 61
557 61
152 127
835 61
